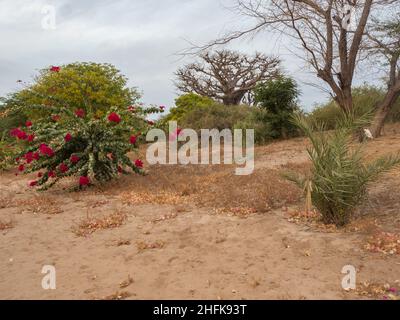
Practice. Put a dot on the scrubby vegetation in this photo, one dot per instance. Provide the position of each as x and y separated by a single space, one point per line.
339 176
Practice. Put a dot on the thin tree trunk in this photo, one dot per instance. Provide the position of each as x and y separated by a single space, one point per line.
382 112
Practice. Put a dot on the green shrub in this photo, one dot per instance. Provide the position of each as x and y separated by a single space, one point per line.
365 98
279 98
215 116
339 178
81 145
185 104
257 119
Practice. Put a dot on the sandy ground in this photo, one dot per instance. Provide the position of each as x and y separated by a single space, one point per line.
187 249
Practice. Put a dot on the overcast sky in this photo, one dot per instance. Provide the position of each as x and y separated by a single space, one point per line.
140 37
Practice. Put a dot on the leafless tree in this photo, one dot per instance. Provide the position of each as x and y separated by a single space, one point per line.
226 76
323 28
383 48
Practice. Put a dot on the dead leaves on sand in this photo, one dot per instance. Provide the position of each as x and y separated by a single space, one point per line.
379 291
90 225
143 246
162 197
384 242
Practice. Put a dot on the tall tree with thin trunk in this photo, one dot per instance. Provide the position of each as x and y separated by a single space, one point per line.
331 33
226 76
384 47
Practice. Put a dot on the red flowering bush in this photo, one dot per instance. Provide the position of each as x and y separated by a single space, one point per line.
78 143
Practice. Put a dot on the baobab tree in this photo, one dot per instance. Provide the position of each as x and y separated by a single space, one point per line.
330 32
383 48
226 76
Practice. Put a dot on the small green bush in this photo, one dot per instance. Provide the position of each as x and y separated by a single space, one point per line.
279 98
365 99
339 177
257 119
215 116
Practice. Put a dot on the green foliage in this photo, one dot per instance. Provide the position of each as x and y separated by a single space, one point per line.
7 151
185 104
83 145
215 116
92 87
339 178
365 98
279 98
257 119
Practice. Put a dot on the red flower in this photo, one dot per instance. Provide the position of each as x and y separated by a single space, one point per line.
63 168
14 132
74 159
28 157
28 123
33 183
46 150
22 135
40 174
132 139
80 113
120 169
150 122
51 174
68 137
113 117
55 69
132 108
36 156
21 167
55 117
84 181
162 108
31 137
139 163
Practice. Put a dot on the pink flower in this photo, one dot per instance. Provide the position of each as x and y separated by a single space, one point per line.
28 123
133 139
55 69
51 174
84 181
63 168
74 159
40 174
113 117
139 163
131 108
21 167
33 183
80 113
393 290
68 137
31 137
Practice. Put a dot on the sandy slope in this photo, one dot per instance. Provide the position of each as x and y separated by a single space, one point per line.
202 255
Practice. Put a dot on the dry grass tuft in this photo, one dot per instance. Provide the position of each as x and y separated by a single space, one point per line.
165 218
126 283
142 246
6 225
240 212
119 295
39 205
162 197
91 225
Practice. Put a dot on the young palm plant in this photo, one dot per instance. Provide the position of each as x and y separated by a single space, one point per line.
339 175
